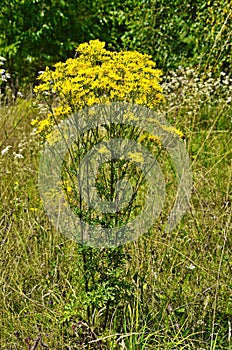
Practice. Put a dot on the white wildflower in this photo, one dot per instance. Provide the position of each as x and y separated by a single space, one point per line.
5 150
191 267
18 155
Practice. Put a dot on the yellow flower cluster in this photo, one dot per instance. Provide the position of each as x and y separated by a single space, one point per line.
136 157
96 76
42 124
152 138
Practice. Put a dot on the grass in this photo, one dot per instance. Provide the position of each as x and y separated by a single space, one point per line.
175 288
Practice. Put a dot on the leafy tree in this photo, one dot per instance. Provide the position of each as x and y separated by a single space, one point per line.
37 33
177 32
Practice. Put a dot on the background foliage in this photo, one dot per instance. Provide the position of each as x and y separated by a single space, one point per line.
36 33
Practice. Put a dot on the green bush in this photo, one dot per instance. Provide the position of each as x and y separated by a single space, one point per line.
35 33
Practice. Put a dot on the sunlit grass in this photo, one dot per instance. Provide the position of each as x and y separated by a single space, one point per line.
180 296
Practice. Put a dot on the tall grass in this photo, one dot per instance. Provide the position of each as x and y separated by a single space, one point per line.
179 284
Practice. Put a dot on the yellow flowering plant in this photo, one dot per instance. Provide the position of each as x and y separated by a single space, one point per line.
97 77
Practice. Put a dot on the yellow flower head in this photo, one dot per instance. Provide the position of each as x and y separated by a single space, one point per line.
98 76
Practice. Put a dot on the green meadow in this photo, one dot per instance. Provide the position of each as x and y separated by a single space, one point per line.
170 291
162 290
